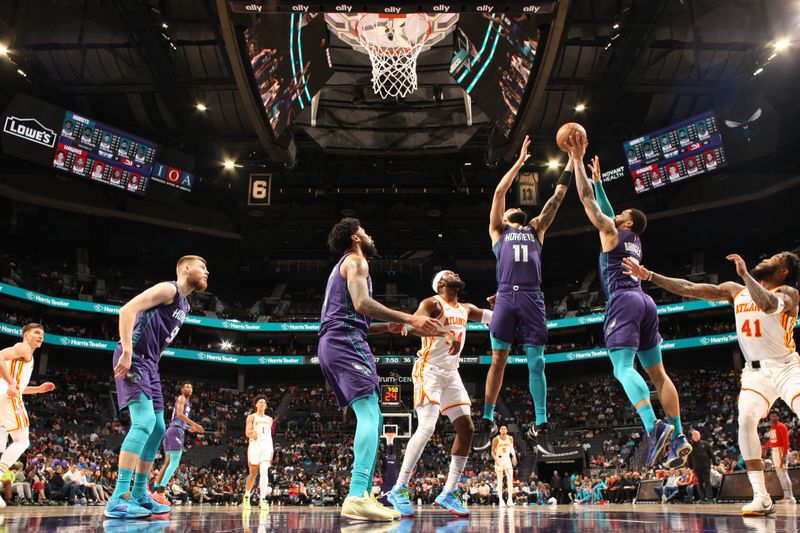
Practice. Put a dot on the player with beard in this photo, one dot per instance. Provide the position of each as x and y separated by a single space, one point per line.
438 388
147 325
347 362
766 309
631 319
519 308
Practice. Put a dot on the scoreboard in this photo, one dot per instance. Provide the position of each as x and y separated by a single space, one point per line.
684 150
96 151
390 395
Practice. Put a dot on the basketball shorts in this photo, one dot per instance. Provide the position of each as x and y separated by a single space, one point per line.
631 321
443 387
143 377
503 465
348 365
519 317
13 415
173 439
777 378
259 452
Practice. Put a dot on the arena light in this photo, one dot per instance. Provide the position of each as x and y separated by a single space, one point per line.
782 44
226 345
580 108
757 72
553 164
229 164
164 25
3 50
21 73
201 106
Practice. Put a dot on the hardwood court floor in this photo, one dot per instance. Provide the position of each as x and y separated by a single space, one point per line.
615 518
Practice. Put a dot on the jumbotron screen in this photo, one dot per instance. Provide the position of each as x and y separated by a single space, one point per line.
689 148
99 152
289 60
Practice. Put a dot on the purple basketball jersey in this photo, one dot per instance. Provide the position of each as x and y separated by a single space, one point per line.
338 311
155 328
175 421
519 259
611 268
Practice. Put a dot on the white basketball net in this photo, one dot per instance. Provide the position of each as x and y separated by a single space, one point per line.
393 45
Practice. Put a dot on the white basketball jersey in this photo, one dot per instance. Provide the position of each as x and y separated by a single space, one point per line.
503 449
262 425
435 350
762 336
20 372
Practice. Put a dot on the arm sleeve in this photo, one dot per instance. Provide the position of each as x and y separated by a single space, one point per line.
602 200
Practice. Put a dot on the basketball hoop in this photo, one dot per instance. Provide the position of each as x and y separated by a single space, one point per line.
393 43
389 436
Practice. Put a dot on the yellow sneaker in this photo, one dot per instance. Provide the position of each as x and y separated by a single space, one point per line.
364 508
391 510
246 503
263 505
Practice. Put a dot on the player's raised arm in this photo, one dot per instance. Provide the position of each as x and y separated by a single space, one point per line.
599 190
499 200
724 292
548 214
356 271
577 149
476 314
769 302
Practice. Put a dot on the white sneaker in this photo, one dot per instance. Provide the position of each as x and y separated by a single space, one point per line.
511 502
760 506
787 499
503 503
2 502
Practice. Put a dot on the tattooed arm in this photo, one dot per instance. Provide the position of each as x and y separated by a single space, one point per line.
548 214
767 300
724 292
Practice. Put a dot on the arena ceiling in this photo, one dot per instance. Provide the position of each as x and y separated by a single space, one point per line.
637 65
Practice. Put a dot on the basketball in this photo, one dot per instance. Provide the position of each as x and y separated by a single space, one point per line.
565 131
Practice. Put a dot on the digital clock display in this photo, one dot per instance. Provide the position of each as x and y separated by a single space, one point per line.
390 394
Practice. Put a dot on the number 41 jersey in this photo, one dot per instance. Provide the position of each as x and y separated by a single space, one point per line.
519 259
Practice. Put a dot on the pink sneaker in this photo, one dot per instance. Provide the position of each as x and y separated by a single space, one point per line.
159 497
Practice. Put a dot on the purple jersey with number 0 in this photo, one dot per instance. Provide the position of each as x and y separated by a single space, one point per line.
519 259
612 270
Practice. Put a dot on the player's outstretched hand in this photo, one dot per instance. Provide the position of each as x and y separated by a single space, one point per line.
123 365
635 269
594 166
197 428
47 386
576 148
398 328
425 324
12 391
491 300
741 266
523 152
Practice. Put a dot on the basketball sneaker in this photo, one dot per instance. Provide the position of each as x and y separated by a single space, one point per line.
511 502
400 500
486 431
124 506
2 502
394 512
246 503
364 508
785 499
263 505
452 502
657 440
159 496
760 506
151 505
538 435
679 450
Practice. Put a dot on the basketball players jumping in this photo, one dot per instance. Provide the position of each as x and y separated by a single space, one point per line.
258 429
519 309
505 459
766 309
347 362
173 441
147 325
438 388
631 321
16 367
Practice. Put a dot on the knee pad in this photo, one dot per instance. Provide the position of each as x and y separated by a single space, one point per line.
535 355
143 419
159 427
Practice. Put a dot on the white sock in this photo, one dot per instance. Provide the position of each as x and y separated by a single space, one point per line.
457 464
427 416
757 482
263 479
247 493
786 482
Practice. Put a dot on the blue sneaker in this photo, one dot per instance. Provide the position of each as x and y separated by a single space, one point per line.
679 451
400 501
456 526
452 502
658 440
151 505
124 506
